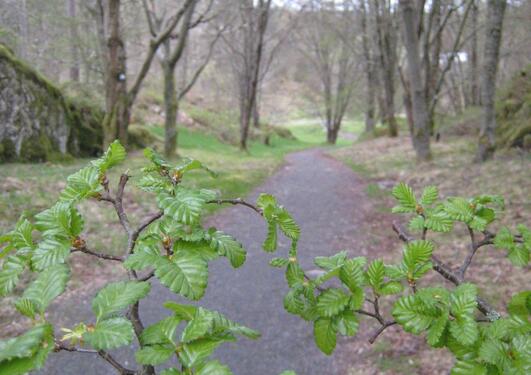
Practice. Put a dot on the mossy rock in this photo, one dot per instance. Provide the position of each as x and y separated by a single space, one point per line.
139 137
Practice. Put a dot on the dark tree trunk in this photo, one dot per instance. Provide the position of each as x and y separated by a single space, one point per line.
117 105
474 71
487 131
421 134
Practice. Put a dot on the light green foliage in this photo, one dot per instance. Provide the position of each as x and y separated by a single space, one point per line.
446 317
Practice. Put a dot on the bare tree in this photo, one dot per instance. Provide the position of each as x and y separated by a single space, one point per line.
326 36
494 26
386 37
421 133
370 72
120 98
246 46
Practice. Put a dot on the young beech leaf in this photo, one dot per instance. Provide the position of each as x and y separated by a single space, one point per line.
198 326
110 334
185 274
429 195
329 263
375 274
325 331
115 297
114 155
9 274
81 185
49 285
331 302
154 354
214 368
228 247
405 197
196 352
161 332
279 262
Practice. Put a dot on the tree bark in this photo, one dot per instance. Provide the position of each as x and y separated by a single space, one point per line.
421 134
487 131
474 71
369 73
117 105
170 110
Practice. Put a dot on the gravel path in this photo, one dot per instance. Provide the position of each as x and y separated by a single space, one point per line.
325 198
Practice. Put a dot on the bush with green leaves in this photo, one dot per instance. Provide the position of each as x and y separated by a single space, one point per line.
170 245
482 339
173 246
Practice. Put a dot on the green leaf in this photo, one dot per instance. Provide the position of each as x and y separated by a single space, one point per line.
26 307
11 270
214 368
161 332
154 354
405 197
332 262
331 302
504 239
222 325
520 304
50 252
265 200
494 352
270 243
348 323
294 274
201 248
198 326
114 155
187 164
110 334
392 287
61 220
325 331
185 312
20 239
23 365
439 222
459 209
429 195
376 274
156 158
288 372
154 183
185 274
80 185
468 367
25 345
519 255
279 262
463 300
413 315
287 225
171 371
49 284
185 206
294 302
196 352
436 330
115 297
145 255
465 330
416 254
352 274
228 247
416 223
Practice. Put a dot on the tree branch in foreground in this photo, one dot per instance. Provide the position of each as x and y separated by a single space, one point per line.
103 354
446 271
235 202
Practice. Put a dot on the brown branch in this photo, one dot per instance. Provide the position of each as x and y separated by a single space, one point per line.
379 331
446 271
85 250
235 202
103 354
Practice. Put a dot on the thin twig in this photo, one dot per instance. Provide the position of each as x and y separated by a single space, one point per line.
235 202
446 271
85 250
103 354
379 331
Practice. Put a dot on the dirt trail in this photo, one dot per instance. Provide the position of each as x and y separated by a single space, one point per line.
326 199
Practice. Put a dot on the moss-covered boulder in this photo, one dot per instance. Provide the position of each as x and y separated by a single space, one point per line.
513 111
37 121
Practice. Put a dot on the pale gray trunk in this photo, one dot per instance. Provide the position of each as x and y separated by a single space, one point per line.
421 134
494 25
74 50
474 71
369 72
170 109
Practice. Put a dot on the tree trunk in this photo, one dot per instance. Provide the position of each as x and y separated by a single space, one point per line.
421 135
369 73
487 141
171 107
117 105
332 131
474 86
74 51
256 113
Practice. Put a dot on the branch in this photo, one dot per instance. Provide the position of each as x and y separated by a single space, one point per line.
103 354
446 271
379 331
237 201
85 250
